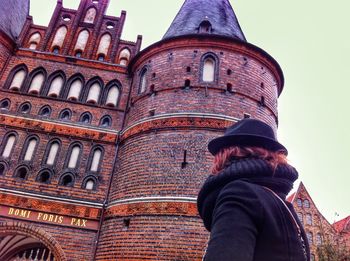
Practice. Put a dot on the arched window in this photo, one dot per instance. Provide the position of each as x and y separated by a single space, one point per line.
299 202
82 40
5 104
36 84
306 203
95 160
308 219
17 80
106 121
65 114
30 147
56 86
205 27
34 41
52 152
75 90
90 184
300 216
67 180
59 38
90 15
44 176
143 81
25 107
74 156
56 50
85 118
124 57
112 96
208 69
103 47
22 172
318 239
8 145
94 93
2 168
45 111
309 237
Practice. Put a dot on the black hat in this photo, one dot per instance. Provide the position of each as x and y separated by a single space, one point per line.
247 132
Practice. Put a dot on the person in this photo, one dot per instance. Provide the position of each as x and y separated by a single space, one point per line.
243 203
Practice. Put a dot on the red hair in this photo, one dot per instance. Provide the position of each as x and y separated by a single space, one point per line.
224 157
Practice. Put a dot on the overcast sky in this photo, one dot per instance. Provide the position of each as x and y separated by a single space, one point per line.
310 39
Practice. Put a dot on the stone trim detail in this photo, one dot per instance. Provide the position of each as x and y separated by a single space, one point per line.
153 208
177 122
50 206
38 233
56 128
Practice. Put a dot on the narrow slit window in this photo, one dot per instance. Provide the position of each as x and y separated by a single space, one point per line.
28 156
103 47
112 96
90 184
59 38
208 70
124 57
90 15
56 87
74 157
10 142
143 81
51 158
94 93
82 40
95 162
74 90
36 84
18 80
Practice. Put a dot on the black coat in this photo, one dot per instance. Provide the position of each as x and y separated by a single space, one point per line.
247 222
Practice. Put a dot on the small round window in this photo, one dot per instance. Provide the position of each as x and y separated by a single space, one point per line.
110 25
66 18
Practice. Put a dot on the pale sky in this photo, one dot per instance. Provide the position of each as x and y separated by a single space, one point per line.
311 41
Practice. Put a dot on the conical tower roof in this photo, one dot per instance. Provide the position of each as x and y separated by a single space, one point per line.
13 15
217 16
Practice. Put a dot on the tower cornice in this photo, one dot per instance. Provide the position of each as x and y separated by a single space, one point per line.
210 41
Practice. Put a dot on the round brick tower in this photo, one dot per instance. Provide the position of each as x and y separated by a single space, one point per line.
186 89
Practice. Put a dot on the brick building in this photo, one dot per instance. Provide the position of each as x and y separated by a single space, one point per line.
103 146
318 230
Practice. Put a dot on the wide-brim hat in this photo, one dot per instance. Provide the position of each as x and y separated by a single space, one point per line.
247 132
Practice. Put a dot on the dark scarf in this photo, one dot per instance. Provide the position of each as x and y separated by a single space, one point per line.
252 170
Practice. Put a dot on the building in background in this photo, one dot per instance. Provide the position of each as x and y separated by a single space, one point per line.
104 148
318 230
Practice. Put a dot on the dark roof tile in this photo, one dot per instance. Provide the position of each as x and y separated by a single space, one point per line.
13 15
218 13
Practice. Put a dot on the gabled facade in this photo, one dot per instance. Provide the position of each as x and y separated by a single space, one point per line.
318 230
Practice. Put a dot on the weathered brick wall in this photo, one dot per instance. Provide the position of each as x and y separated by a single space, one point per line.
150 164
5 50
151 237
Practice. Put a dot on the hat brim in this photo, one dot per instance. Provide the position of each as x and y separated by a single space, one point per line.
217 144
